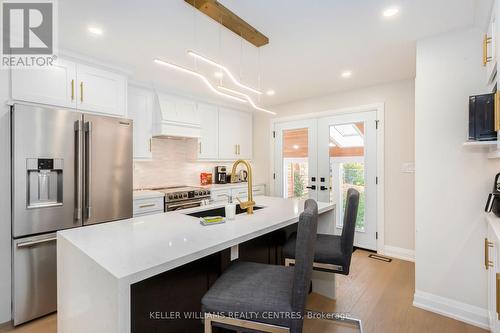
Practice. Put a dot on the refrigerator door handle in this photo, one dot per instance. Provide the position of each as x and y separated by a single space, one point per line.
32 243
88 170
78 167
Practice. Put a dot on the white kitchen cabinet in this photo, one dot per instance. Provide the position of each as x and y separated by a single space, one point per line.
55 85
220 195
72 85
491 264
148 206
208 143
140 110
101 91
235 135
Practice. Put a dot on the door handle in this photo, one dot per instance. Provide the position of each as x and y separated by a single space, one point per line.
323 188
32 243
487 262
78 171
88 170
81 91
486 57
312 187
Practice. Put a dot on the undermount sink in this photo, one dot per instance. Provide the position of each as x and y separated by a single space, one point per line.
220 211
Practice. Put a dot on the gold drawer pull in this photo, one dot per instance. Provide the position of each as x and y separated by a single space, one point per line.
487 262
72 90
146 206
486 59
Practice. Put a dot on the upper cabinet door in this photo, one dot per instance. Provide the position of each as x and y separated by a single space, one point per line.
235 135
101 91
245 136
140 110
208 144
53 86
490 46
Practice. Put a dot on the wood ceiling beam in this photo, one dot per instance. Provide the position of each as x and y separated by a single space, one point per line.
230 20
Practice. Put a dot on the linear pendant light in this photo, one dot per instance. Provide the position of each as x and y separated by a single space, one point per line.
213 63
246 97
200 76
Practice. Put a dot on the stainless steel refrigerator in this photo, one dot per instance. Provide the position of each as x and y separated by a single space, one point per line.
69 169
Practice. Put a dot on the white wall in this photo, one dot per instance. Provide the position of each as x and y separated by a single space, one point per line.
399 148
452 182
5 232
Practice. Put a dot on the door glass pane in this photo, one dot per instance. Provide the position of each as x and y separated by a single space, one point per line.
347 157
295 163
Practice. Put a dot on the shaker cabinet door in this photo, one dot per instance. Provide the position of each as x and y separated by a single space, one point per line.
55 85
140 110
101 91
208 144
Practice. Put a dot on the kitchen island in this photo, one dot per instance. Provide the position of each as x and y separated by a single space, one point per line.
104 270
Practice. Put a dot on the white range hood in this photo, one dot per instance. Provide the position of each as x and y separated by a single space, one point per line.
176 117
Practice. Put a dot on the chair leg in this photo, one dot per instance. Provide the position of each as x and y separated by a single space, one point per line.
341 319
208 325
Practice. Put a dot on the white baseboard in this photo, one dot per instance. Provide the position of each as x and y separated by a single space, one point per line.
399 253
467 313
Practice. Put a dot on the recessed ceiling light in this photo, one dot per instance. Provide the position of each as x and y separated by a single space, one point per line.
295 147
270 92
346 74
392 11
95 31
219 75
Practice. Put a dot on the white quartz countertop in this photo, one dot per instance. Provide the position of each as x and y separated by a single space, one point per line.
141 247
147 194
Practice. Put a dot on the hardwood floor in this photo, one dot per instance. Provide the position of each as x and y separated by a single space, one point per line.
378 293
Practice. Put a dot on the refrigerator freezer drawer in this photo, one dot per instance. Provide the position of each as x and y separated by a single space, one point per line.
34 277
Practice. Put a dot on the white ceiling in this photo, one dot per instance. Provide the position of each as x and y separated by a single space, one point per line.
311 41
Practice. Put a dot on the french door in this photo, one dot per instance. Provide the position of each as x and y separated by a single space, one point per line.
322 158
296 159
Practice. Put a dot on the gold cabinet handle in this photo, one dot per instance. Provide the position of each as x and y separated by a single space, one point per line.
487 262
236 149
486 58
497 111
72 90
497 292
199 147
81 91
239 151
149 144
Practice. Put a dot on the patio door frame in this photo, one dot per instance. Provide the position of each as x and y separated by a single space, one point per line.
380 110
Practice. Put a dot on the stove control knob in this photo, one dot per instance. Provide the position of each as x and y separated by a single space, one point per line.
170 196
175 196
185 195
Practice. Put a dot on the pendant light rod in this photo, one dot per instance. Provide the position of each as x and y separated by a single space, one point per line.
198 75
223 68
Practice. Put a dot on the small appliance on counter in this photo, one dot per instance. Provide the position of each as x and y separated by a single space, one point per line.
483 117
243 175
220 175
493 203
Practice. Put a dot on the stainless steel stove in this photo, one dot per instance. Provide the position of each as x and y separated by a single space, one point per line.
184 197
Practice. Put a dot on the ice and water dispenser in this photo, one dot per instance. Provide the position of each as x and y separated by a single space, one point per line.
45 182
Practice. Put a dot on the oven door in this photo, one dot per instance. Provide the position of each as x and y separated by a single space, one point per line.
170 207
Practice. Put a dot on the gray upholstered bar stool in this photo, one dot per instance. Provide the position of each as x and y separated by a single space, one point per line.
251 297
332 253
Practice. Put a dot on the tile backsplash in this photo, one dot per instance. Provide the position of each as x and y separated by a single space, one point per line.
173 164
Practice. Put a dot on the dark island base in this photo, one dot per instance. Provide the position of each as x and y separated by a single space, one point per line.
171 302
